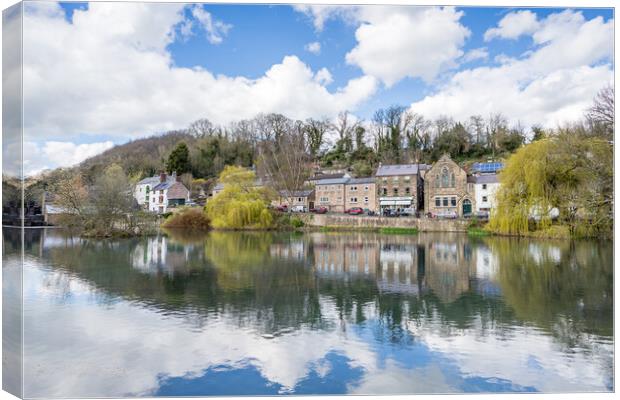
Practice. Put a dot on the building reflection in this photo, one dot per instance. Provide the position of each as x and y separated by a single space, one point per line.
446 265
162 255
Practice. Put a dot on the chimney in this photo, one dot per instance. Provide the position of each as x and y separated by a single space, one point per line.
162 177
175 178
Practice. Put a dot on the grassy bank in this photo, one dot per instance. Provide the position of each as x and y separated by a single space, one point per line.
399 231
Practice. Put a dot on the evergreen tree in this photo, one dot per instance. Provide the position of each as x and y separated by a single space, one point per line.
178 160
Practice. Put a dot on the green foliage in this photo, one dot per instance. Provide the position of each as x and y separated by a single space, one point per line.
189 218
473 231
240 205
568 171
178 160
297 222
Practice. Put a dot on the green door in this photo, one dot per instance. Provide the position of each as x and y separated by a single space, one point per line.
466 207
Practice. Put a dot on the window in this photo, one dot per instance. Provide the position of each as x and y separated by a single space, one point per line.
437 181
354 188
395 179
148 189
324 199
445 202
353 200
407 178
408 190
484 199
365 199
365 187
385 191
484 186
452 180
395 190
384 180
299 199
437 202
444 178
453 201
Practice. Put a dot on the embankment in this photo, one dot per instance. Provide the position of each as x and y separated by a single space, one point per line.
366 222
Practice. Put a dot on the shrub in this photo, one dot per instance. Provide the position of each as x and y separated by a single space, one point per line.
297 222
192 218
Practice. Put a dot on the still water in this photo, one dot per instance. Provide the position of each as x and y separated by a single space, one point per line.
315 313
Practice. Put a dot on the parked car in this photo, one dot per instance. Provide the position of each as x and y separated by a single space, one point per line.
371 213
319 210
298 209
282 207
355 211
448 215
409 212
388 212
482 215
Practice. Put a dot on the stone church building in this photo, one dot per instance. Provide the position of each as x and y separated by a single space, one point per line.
447 190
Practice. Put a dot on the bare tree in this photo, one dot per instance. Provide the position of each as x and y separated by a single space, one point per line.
202 128
601 114
315 130
283 162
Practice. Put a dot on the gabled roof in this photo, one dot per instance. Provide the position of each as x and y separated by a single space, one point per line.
177 191
401 169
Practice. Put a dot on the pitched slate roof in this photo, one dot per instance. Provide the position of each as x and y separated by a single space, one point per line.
366 179
487 178
327 176
401 169
335 181
297 193
154 180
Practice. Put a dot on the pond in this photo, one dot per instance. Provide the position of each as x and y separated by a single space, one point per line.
184 314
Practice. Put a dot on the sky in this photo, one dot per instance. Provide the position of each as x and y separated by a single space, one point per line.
100 74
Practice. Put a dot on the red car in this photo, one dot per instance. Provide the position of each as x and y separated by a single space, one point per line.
355 211
283 208
319 210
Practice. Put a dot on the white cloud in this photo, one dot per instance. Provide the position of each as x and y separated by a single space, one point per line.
550 85
109 73
480 53
53 154
314 47
513 25
323 77
399 42
320 14
215 29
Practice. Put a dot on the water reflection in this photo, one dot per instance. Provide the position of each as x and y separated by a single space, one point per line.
266 313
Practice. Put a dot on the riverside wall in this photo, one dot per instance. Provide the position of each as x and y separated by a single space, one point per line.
366 222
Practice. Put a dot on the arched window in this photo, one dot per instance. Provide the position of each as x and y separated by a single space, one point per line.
437 181
452 180
445 178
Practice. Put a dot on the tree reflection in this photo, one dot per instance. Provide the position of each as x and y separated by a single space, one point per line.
278 283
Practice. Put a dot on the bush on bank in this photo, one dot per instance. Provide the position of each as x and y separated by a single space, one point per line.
189 218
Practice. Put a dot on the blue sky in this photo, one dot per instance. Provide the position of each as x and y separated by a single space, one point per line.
212 60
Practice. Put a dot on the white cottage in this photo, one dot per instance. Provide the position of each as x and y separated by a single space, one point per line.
485 187
167 193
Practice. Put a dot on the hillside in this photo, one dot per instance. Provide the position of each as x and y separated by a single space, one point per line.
143 157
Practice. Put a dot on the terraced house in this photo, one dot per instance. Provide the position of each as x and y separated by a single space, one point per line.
447 189
330 193
361 192
400 186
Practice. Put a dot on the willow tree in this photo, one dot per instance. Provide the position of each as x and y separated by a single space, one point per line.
567 171
241 204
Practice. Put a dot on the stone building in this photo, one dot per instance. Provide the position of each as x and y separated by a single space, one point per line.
296 200
361 192
330 193
447 190
400 186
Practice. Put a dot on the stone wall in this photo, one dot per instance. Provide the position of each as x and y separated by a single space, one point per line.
359 221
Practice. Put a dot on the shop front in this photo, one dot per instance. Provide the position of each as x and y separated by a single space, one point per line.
397 204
